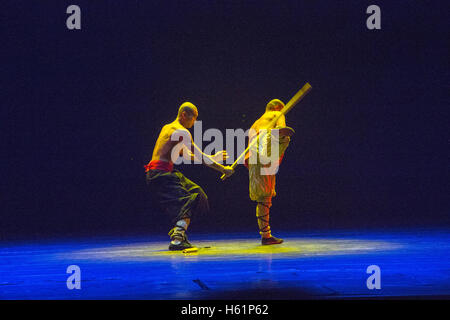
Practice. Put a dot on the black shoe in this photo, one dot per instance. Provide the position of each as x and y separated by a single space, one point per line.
184 244
180 235
271 240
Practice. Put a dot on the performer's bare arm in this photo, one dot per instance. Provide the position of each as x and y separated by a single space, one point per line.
172 134
196 154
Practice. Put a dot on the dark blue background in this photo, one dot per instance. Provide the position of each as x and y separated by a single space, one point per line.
81 111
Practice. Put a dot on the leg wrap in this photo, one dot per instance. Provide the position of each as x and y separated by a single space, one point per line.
262 214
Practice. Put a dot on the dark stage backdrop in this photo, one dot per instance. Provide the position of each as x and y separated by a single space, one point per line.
81 110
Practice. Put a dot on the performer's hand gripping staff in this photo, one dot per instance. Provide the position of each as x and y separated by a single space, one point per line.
295 99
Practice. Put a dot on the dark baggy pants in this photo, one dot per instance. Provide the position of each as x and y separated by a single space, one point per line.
176 195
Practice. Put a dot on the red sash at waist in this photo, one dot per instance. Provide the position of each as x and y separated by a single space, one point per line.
159 165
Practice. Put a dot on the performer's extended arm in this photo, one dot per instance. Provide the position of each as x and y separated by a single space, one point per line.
209 161
197 155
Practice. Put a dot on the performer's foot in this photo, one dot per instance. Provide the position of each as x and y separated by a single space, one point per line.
178 239
271 240
180 245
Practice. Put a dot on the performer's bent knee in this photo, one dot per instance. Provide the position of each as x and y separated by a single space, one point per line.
202 201
201 204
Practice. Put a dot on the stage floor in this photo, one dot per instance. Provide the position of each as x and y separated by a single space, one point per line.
232 266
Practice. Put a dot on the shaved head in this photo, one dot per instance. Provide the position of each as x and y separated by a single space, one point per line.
275 104
190 109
